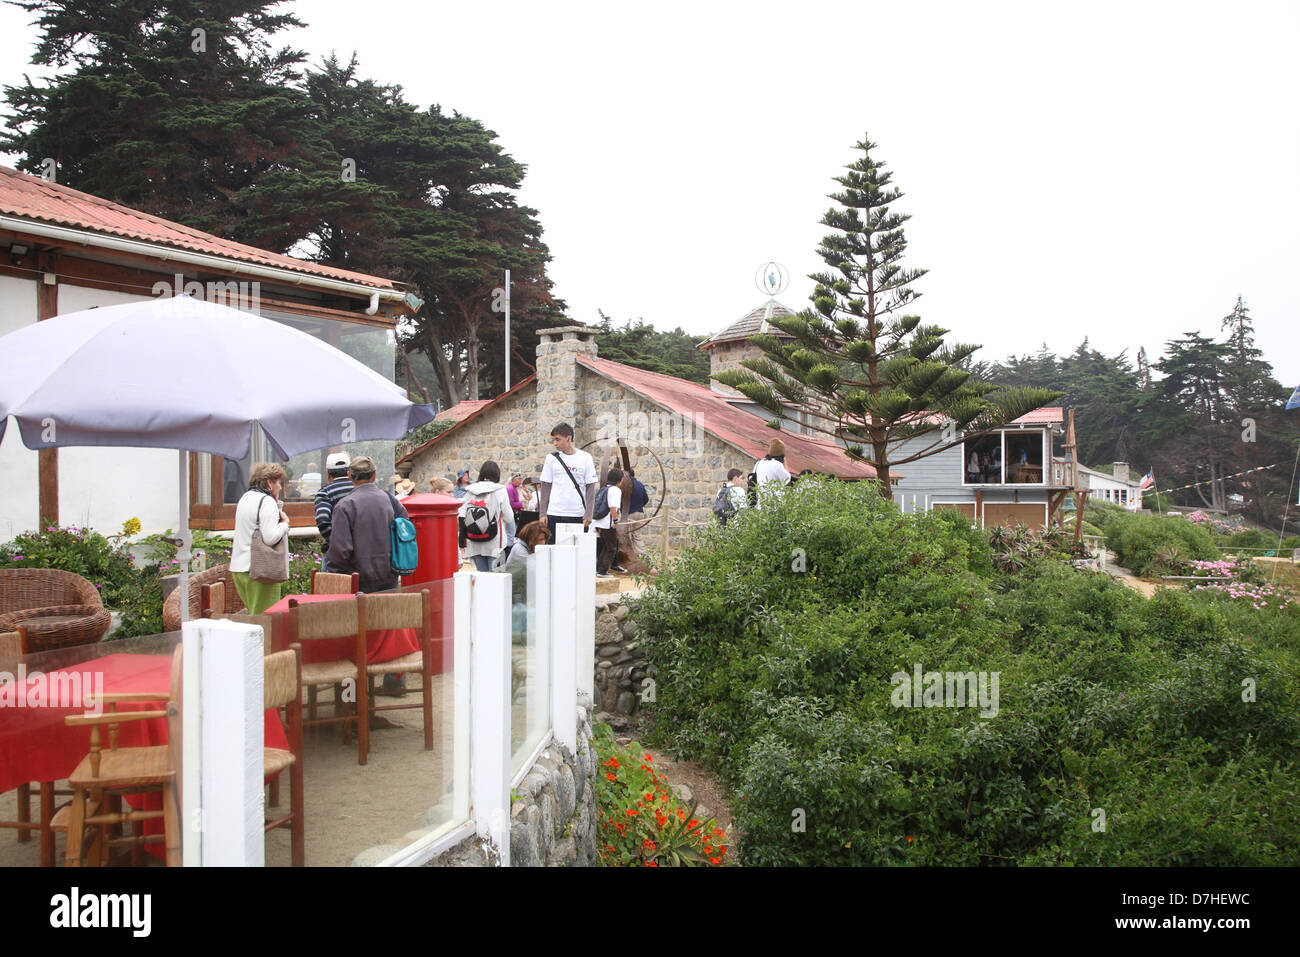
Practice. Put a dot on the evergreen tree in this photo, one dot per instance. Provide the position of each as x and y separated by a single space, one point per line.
863 368
637 344
176 108
1248 380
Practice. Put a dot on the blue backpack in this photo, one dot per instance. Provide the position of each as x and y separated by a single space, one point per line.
404 551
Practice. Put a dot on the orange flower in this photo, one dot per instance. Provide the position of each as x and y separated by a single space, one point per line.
612 776
648 758
692 824
908 839
631 811
649 796
612 763
717 832
650 864
648 844
681 814
609 847
708 848
715 860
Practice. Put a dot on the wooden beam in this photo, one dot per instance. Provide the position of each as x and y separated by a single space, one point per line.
47 460
979 507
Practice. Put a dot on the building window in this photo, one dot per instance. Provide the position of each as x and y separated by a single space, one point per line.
1004 458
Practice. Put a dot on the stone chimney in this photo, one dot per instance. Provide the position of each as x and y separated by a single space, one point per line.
558 395
1121 471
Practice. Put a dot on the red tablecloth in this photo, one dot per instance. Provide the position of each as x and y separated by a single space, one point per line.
36 745
380 645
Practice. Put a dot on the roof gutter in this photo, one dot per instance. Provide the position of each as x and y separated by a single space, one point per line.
218 263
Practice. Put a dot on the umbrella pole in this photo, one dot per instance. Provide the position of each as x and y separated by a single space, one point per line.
183 553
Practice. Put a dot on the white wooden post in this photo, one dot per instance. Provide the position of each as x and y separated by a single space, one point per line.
460 677
487 615
585 633
565 613
223 798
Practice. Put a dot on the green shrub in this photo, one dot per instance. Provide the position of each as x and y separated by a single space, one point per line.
1147 544
784 681
105 563
1101 514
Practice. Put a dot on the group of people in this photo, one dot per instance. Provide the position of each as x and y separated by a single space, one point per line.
353 516
501 524
769 479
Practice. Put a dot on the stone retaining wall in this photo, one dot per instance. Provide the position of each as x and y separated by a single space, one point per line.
620 679
553 814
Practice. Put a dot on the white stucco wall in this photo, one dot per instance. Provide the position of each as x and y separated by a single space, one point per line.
98 487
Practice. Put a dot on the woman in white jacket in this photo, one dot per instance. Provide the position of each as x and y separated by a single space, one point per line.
259 507
487 494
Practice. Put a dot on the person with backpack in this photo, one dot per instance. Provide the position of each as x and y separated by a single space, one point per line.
604 515
731 496
361 536
770 476
487 522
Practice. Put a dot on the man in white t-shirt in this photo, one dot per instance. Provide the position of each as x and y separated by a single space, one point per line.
770 473
607 526
568 485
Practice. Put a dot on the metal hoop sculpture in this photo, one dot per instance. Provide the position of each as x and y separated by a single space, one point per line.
619 448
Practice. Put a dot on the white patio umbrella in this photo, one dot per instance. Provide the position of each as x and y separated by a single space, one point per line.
115 376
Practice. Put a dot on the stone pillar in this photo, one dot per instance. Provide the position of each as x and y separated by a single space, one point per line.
559 398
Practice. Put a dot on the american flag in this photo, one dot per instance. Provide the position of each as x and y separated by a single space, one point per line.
1148 480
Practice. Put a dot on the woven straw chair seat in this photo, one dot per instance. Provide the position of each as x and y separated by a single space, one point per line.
130 767
275 760
398 666
328 672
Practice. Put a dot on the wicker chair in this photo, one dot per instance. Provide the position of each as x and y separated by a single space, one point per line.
209 576
28 594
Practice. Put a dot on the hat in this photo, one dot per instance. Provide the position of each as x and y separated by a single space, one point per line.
405 486
336 461
777 447
362 465
462 473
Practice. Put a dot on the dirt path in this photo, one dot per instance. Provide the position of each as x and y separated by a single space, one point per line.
1126 577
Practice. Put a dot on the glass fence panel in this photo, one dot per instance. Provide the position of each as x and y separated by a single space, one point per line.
530 663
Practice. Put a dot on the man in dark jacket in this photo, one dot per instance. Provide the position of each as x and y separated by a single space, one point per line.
359 537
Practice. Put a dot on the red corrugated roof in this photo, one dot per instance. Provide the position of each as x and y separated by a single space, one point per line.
462 410
1045 416
716 415
37 199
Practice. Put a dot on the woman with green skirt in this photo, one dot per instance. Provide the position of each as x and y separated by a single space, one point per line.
259 508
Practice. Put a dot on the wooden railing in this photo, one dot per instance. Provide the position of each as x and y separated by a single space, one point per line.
1063 475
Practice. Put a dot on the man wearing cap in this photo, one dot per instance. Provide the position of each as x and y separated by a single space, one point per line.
359 539
336 467
770 473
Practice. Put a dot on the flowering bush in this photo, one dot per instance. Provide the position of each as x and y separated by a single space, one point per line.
1246 582
71 548
640 821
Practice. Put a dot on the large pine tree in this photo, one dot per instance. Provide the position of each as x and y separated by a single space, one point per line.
865 370
176 108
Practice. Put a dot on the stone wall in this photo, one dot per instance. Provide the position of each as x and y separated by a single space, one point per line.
553 815
620 678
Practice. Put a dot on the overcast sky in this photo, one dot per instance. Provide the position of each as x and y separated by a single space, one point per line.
1117 170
